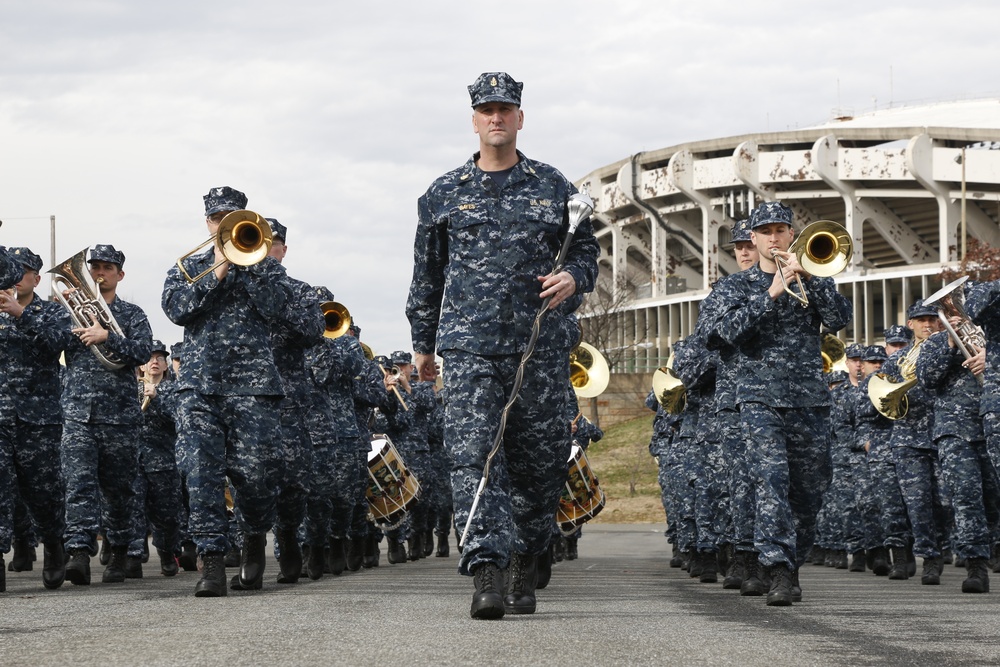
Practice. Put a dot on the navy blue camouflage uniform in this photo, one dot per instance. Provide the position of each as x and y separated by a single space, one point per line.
31 417
783 401
232 416
100 430
475 305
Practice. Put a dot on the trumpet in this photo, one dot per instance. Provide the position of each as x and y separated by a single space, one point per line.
244 239
968 337
824 248
395 372
588 371
85 305
338 319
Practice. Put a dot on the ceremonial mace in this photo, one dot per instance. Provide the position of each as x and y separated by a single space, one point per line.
579 207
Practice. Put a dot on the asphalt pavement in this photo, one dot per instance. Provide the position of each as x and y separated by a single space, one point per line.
618 604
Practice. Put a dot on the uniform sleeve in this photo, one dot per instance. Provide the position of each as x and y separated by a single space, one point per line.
136 345
430 257
184 302
834 308
936 361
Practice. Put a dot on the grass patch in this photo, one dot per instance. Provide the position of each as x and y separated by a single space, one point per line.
627 473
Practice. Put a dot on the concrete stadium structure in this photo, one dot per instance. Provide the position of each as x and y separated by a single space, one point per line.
894 178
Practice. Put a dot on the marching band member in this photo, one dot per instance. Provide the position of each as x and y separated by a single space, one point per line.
965 466
33 333
101 421
233 415
785 415
292 337
475 306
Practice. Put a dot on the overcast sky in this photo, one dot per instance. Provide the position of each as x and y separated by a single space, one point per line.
117 116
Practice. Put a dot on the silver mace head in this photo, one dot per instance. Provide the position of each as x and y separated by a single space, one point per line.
580 207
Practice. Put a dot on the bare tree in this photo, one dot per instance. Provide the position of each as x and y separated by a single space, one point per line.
600 321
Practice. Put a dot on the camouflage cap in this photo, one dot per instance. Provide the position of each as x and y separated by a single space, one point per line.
874 353
741 230
854 351
11 270
224 199
836 377
897 333
323 294
107 253
158 346
28 259
176 349
400 357
918 309
770 212
355 329
495 87
383 361
278 230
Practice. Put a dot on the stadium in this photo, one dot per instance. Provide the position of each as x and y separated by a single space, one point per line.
911 184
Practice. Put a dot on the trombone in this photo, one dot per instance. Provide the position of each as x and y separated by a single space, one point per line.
244 239
338 319
824 248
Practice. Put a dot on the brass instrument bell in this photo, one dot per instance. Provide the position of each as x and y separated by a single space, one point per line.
338 319
244 239
824 249
588 371
832 351
669 390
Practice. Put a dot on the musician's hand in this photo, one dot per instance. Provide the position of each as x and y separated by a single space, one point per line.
389 381
560 287
149 389
425 366
868 445
977 363
9 304
92 335
787 271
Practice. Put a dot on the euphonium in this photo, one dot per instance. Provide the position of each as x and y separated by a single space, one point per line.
968 337
588 371
244 239
338 319
85 304
824 249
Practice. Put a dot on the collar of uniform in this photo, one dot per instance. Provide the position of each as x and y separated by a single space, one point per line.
470 168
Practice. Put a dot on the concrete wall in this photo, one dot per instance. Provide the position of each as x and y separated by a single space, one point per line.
624 399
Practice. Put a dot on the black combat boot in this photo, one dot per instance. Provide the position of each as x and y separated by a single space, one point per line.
521 580
54 565
858 562
911 562
880 561
355 554
416 547
753 582
78 567
104 555
571 548
397 551
337 559
114 573
560 552
3 576
253 561
133 567
676 560
428 543
931 576
315 561
709 568
994 562
23 558
544 566
899 571
213 576
947 557
817 556
780 594
696 564
442 546
796 588
290 556
840 559
189 557
978 580
168 563
737 572
487 602
372 551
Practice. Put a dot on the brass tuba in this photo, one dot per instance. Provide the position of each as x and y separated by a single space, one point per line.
85 304
588 371
968 337
244 238
824 249
338 319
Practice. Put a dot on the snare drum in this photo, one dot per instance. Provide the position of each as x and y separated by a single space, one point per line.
582 497
392 489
